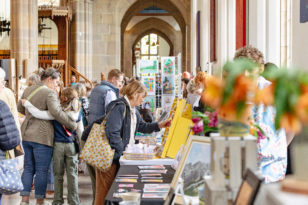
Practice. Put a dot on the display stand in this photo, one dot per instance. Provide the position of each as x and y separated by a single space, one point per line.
231 156
179 131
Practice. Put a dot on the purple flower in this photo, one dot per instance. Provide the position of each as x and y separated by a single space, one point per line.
213 119
260 136
198 127
196 119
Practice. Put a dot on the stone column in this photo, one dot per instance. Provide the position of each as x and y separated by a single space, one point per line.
89 39
222 35
226 27
193 31
231 28
81 36
24 34
205 35
257 24
273 31
285 32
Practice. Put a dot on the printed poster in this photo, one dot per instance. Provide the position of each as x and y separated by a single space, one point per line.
168 84
167 101
147 67
149 103
149 83
168 65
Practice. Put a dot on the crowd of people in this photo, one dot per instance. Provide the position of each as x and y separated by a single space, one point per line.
58 121
56 125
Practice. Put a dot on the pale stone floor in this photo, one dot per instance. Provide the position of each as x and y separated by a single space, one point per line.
85 193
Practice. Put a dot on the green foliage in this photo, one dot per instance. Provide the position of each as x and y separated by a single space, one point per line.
287 89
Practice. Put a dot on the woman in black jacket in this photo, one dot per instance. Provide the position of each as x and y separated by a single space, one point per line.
121 126
9 134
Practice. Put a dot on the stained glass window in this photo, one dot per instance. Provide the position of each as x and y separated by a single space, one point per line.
149 47
48 2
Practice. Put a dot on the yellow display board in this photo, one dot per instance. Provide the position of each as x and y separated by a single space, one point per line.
181 132
180 125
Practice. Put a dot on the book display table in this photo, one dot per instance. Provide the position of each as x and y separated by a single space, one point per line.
133 170
166 161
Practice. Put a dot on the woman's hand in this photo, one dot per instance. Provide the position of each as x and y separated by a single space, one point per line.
164 124
23 101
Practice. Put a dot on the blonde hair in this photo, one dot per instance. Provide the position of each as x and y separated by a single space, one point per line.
134 87
71 96
81 89
200 78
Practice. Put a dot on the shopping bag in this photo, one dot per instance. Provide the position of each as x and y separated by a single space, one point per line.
97 151
10 178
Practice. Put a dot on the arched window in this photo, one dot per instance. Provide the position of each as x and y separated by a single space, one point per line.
48 2
148 47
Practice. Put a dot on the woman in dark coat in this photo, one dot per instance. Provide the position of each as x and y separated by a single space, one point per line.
121 126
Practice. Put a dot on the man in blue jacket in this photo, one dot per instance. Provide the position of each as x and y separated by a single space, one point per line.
100 97
104 93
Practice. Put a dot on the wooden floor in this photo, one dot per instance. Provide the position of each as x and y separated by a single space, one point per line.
85 194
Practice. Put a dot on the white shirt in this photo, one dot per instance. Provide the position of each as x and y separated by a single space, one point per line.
110 96
133 122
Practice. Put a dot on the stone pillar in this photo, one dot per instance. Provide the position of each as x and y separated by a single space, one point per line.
24 35
285 32
89 39
226 24
193 31
273 31
222 36
257 24
231 28
205 35
81 36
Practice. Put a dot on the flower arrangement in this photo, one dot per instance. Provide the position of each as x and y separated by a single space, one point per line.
230 96
288 93
205 122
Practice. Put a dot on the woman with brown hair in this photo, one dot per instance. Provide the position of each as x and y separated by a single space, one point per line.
121 126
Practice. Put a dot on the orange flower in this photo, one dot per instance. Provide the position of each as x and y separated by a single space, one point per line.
228 112
265 96
243 86
213 93
304 88
290 123
302 108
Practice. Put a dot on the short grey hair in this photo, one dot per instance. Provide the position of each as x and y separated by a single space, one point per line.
33 79
2 74
50 72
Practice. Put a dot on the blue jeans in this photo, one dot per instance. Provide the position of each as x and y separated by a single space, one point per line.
50 181
36 162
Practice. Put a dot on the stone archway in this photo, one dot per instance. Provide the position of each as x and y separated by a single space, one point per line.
171 8
144 27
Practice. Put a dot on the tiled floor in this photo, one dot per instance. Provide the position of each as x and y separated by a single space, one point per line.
85 193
